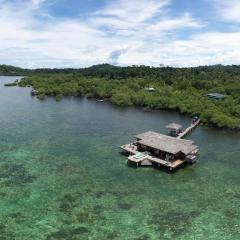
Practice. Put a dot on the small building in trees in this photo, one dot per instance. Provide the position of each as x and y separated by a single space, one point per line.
150 89
217 96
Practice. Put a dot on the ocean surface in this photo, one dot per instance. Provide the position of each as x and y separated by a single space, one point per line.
62 176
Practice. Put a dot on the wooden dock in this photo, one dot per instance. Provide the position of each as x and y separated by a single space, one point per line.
189 129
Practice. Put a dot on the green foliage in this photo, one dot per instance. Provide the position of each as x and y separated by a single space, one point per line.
121 98
6 70
178 89
41 96
59 97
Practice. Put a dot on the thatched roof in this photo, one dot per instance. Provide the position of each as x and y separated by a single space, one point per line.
165 143
174 126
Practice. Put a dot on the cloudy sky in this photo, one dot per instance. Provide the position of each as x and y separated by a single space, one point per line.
77 33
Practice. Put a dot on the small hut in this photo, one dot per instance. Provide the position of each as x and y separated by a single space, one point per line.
216 96
150 89
174 129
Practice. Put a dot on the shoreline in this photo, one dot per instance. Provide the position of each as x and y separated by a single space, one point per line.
145 109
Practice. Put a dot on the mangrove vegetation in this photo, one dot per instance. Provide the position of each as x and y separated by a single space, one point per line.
178 89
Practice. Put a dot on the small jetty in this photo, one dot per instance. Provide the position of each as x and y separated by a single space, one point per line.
13 84
193 125
155 149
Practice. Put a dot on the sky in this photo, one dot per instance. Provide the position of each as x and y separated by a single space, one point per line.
81 33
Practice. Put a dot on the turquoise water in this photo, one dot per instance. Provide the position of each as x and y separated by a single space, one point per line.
62 177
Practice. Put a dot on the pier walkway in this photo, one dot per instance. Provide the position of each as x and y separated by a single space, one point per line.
189 129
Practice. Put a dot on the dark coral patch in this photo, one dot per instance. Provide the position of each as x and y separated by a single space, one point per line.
5 234
67 203
69 234
125 206
98 210
84 217
69 197
17 217
68 168
112 236
236 195
2 228
144 237
99 194
173 221
90 216
15 174
119 194
80 231
59 235
2 194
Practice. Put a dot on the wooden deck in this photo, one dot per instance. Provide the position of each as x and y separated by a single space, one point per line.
189 129
169 164
129 149
148 160
172 164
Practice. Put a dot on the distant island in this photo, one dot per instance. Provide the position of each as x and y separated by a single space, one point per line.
185 90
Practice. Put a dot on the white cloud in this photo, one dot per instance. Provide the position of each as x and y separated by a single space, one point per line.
201 49
135 10
228 9
183 22
37 3
138 33
141 19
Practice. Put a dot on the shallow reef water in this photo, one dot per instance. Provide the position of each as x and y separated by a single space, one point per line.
62 176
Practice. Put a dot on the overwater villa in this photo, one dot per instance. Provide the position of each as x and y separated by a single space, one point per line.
151 148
